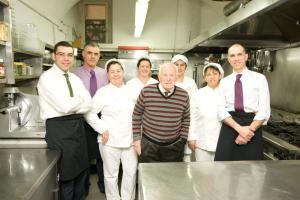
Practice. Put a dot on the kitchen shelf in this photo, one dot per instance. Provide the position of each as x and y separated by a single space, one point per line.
24 53
4 2
26 77
47 64
3 43
3 80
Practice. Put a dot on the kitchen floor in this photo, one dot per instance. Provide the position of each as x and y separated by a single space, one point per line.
94 193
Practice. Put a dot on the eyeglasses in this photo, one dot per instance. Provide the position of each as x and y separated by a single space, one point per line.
63 55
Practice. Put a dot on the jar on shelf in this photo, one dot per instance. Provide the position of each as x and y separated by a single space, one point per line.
3 31
2 69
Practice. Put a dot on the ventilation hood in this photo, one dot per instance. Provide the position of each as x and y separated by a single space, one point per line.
258 24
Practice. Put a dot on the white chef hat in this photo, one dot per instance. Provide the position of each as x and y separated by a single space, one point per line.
216 66
114 60
180 57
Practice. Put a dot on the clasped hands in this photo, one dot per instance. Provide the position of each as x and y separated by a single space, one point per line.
245 135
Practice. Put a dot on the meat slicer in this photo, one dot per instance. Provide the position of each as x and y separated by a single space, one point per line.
20 119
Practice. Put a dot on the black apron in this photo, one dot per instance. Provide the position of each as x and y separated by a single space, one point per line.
67 134
227 149
92 142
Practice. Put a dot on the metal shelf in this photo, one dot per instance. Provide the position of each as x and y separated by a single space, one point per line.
47 64
20 78
24 53
3 43
4 3
3 80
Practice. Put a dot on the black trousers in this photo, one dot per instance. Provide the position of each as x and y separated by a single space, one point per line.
152 152
73 189
94 153
228 150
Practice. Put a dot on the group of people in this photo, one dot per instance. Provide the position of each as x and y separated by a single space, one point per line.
93 114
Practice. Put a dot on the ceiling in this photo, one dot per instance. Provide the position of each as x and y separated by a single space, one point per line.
55 9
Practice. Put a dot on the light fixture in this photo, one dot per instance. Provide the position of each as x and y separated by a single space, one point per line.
141 7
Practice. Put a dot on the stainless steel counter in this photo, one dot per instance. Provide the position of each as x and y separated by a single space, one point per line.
253 180
23 173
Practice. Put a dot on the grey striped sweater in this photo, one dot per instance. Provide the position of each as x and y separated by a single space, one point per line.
162 119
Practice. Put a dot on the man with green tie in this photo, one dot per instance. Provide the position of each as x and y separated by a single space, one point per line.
63 99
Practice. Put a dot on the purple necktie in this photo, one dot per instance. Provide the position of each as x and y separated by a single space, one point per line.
238 94
93 83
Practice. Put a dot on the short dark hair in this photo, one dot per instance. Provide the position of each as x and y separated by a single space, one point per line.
62 44
143 59
92 44
112 63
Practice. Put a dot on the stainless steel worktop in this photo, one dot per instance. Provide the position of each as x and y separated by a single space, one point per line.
253 180
23 171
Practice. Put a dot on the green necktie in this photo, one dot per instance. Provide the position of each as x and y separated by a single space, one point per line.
69 84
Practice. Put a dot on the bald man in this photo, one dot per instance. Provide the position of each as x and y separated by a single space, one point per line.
244 108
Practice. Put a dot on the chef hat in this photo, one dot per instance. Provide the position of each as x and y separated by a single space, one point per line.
114 60
216 66
180 57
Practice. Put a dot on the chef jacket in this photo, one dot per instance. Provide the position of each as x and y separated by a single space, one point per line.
116 106
137 85
205 125
188 84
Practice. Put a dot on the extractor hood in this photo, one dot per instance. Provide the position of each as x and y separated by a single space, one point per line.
258 24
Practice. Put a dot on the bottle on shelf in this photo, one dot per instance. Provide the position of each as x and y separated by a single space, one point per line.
2 69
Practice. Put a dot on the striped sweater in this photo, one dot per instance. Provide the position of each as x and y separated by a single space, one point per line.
162 119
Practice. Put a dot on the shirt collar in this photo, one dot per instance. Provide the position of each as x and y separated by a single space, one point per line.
58 70
245 72
88 69
162 89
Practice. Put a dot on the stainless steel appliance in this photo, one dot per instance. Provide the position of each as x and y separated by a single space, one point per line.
282 137
282 140
20 119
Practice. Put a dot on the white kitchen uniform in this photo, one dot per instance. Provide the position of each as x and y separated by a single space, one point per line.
137 85
116 106
189 85
205 125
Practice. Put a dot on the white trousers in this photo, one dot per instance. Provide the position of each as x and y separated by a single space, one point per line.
111 162
203 155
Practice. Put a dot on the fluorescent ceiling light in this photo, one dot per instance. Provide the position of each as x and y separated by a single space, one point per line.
141 7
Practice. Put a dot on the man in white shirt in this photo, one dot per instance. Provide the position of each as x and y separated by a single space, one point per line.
63 99
244 108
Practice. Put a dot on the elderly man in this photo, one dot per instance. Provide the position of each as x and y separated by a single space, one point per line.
243 110
63 99
161 119
93 78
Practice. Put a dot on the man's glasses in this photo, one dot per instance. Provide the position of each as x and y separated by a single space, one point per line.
63 55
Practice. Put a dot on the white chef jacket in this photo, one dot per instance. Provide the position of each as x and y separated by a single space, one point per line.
137 85
205 125
188 84
116 106
256 95
54 96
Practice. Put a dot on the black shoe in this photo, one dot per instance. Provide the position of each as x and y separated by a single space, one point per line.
101 187
87 190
